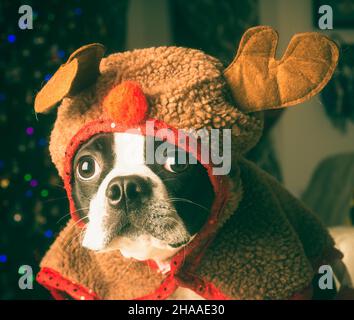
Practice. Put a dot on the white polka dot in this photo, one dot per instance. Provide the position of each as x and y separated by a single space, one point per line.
113 125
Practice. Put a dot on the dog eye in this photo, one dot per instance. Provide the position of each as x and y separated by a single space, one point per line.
172 165
87 168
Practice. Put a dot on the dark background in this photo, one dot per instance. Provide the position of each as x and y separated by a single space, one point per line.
33 206
32 197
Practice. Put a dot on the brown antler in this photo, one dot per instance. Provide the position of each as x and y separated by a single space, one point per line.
80 71
259 82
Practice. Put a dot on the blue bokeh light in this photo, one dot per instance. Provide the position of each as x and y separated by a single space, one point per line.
78 11
29 194
48 234
61 54
11 38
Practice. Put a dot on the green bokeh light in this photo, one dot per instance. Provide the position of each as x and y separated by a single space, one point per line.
44 193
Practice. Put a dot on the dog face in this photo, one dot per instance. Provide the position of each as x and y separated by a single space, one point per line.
147 211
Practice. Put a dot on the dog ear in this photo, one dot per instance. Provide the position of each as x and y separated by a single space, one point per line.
80 71
259 82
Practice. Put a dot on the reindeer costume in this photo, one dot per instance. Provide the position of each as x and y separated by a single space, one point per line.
259 242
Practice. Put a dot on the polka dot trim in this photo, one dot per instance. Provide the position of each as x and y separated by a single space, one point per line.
168 286
63 289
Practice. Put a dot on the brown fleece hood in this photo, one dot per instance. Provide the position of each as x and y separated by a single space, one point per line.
259 242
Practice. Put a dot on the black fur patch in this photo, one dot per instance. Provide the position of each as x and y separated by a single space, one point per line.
101 148
190 191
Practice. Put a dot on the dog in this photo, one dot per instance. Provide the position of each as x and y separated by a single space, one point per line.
147 211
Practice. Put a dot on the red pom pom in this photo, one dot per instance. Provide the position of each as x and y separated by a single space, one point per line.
126 104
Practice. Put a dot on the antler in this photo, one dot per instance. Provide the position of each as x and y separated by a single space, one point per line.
259 82
80 71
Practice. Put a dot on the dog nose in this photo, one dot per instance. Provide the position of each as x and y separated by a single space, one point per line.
131 189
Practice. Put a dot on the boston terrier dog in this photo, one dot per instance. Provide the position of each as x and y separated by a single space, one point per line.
147 211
